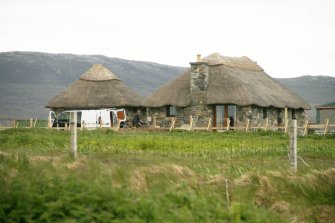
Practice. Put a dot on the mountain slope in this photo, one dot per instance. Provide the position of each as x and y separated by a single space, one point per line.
315 90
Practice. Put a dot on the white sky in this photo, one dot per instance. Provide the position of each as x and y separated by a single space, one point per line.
286 37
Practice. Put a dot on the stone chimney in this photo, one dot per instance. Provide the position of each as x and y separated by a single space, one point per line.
199 81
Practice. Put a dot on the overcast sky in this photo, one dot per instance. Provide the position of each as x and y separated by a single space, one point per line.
287 38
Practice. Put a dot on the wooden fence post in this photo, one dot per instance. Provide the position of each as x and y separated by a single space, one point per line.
191 123
31 122
248 123
305 128
118 125
266 124
326 126
286 125
154 121
293 146
228 124
172 124
49 121
209 123
35 122
73 134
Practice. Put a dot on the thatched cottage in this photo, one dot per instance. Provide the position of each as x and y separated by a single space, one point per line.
97 88
218 87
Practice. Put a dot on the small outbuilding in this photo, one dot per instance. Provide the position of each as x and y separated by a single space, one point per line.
97 88
326 111
219 88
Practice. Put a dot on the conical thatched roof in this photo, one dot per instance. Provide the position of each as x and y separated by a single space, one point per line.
231 80
98 87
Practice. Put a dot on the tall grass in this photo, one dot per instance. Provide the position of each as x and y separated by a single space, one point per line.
163 177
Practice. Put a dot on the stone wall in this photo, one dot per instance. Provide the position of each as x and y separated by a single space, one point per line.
202 113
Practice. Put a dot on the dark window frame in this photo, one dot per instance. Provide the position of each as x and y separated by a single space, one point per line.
294 114
265 113
171 113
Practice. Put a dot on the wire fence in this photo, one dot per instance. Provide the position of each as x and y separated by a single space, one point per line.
258 151
23 123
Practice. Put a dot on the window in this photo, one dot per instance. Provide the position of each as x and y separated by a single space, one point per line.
232 114
171 111
219 115
279 117
265 113
64 117
222 112
294 114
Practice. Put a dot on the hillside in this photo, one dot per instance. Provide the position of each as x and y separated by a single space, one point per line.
30 79
315 90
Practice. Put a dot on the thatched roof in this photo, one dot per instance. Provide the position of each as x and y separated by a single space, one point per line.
231 80
175 92
98 87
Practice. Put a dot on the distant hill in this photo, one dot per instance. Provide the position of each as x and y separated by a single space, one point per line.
315 90
30 79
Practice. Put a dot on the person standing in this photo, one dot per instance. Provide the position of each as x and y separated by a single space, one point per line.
137 122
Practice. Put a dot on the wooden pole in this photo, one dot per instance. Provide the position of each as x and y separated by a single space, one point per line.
118 125
209 123
228 123
49 121
172 124
286 125
35 122
326 126
191 123
293 146
14 123
286 114
305 128
31 122
248 123
154 121
73 134
266 124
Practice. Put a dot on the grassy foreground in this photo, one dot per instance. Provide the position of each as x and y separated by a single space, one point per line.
164 177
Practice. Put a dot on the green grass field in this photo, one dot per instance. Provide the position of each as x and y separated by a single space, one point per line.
137 176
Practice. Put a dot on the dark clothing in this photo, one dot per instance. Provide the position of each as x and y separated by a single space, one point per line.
137 121
231 118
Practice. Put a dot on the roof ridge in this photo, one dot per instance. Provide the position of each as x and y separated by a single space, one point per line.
98 72
243 62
